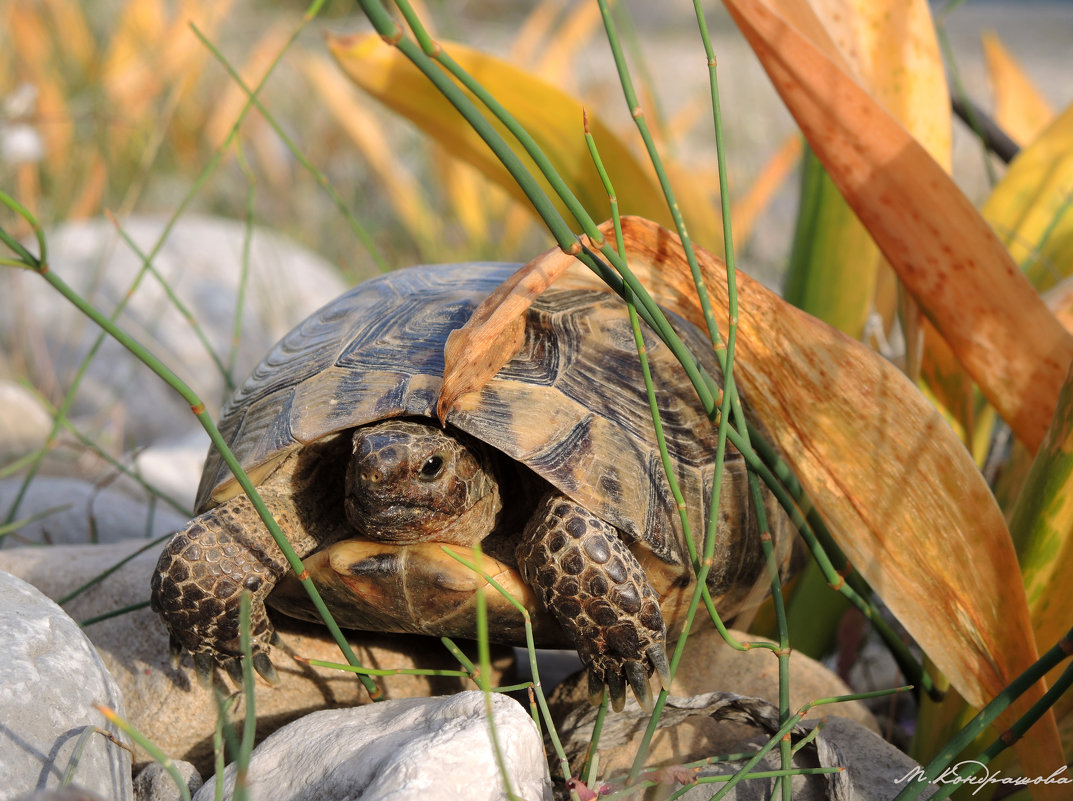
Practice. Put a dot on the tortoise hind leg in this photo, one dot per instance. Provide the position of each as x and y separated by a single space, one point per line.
587 577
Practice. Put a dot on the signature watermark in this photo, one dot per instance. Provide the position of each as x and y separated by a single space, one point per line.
972 772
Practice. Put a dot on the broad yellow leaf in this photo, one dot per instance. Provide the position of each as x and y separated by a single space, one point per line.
899 492
1031 208
942 249
964 280
551 116
892 50
890 47
1021 110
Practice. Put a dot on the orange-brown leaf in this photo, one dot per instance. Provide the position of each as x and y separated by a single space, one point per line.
899 492
494 332
942 249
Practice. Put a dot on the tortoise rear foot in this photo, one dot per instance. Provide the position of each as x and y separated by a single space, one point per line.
597 590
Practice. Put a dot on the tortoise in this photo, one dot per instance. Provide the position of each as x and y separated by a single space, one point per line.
553 466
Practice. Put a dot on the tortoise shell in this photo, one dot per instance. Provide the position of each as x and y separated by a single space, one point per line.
571 405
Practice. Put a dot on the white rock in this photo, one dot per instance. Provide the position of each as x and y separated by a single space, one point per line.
50 679
201 262
414 748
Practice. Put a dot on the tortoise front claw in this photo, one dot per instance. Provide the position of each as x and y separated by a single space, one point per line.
657 655
203 667
263 665
616 689
637 677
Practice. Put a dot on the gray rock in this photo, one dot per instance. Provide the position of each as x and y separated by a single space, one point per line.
50 680
868 767
417 748
154 783
69 511
709 664
201 262
167 704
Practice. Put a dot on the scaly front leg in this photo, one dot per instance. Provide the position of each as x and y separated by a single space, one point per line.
587 577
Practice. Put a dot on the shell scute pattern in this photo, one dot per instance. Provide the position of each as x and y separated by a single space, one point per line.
378 353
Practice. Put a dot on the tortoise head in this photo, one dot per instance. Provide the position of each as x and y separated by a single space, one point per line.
411 482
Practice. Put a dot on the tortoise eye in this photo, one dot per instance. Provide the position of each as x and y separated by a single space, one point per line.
432 468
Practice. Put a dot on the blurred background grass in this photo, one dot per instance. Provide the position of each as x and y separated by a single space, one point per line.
117 106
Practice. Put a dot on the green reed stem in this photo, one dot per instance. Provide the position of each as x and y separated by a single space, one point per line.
637 113
318 175
176 301
244 270
530 645
118 466
592 757
41 267
783 652
463 660
485 661
25 258
983 720
15 525
249 724
149 747
102 576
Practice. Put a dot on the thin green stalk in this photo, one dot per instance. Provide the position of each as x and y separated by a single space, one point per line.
661 173
244 272
485 661
940 764
456 652
149 747
724 211
115 464
25 259
365 671
592 757
123 610
101 576
15 525
530 647
176 301
41 267
223 714
778 775
318 175
783 653
249 724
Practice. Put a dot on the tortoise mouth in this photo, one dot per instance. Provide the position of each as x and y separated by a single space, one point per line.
408 523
